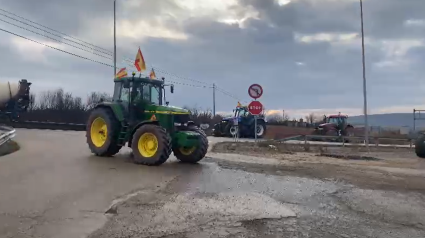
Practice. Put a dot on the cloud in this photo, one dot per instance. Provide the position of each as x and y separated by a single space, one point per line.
305 53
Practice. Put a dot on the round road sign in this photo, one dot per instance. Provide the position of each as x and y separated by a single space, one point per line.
255 91
255 107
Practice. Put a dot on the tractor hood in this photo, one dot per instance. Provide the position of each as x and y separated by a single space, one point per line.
167 109
326 125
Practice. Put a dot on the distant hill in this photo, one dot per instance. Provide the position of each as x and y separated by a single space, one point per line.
389 120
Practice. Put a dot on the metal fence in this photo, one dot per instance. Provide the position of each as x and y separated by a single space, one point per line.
353 140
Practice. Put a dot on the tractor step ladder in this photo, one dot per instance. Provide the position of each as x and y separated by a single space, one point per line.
122 135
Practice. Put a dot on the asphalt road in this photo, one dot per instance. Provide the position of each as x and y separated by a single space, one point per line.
53 187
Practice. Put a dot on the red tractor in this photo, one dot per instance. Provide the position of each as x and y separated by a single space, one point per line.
334 125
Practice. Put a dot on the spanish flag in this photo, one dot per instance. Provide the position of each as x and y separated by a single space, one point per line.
140 61
152 75
121 73
239 105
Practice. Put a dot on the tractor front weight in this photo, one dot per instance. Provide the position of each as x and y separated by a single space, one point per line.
185 139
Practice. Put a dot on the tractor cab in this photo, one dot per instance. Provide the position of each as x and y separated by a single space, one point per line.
241 112
336 119
140 90
334 125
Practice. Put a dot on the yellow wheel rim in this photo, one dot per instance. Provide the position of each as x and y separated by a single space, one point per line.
187 150
148 145
99 132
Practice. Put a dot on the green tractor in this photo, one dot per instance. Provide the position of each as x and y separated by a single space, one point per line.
137 117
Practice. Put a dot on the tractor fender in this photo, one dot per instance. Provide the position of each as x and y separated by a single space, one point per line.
138 126
117 109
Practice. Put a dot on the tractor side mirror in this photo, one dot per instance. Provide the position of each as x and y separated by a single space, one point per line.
172 88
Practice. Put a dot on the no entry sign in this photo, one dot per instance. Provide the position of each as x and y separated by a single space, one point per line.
255 108
255 91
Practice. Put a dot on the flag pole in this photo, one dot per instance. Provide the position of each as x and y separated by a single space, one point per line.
115 41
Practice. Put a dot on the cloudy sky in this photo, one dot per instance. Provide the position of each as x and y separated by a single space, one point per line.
305 53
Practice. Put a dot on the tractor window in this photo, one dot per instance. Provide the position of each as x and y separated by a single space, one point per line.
155 95
244 113
146 93
151 93
124 94
333 120
337 120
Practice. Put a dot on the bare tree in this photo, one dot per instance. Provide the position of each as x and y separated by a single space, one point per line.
310 118
32 103
96 97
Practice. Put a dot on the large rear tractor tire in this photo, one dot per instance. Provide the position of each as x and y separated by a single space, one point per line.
333 133
101 132
420 146
228 129
194 154
261 129
151 145
349 132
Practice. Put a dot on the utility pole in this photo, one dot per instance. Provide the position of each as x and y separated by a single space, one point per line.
213 99
366 132
115 41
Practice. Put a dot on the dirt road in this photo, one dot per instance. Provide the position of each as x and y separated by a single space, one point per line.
53 187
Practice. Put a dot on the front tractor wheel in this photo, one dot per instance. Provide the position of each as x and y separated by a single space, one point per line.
193 154
101 131
151 145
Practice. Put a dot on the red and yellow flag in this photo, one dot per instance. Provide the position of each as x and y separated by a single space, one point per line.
152 75
239 105
140 61
121 73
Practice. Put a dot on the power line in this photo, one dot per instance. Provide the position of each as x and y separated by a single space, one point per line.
227 93
48 32
59 41
51 29
64 51
86 58
103 50
51 38
176 76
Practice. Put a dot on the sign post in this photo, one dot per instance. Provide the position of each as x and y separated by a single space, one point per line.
236 127
255 91
255 108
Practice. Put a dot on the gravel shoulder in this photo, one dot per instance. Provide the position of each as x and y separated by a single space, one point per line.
384 168
246 191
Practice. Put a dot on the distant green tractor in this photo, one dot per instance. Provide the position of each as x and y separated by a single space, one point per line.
136 116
